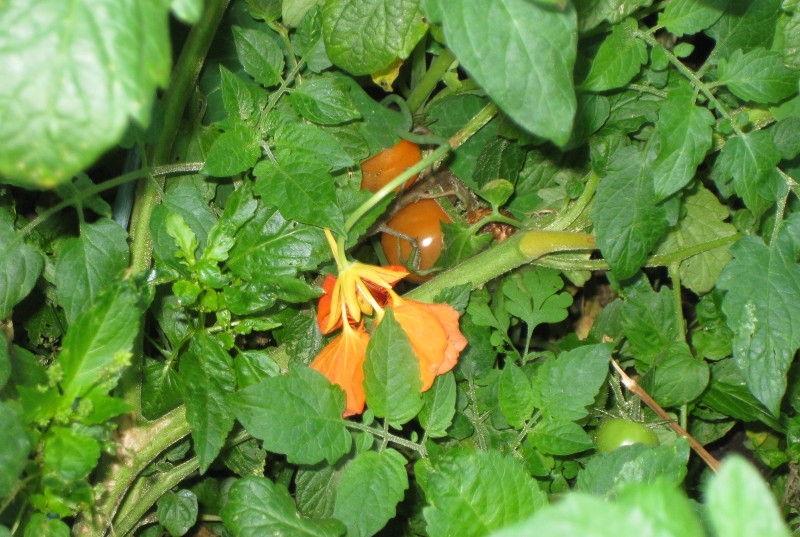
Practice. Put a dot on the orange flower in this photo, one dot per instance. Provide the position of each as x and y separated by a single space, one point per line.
341 362
433 332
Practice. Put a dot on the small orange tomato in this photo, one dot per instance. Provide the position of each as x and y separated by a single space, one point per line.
388 164
422 221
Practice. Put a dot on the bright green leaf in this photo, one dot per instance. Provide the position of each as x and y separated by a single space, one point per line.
70 455
293 11
560 437
676 377
691 16
439 406
234 151
515 395
324 100
619 59
177 511
745 25
534 297
260 55
20 266
759 75
649 322
14 446
188 11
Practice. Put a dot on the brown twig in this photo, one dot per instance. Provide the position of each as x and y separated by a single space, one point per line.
634 387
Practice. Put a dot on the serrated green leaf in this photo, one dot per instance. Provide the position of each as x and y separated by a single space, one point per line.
745 25
649 322
315 489
14 446
236 150
69 455
365 36
260 55
786 135
627 220
371 487
759 75
206 379
563 387
534 297
89 264
593 12
684 131
460 243
505 44
761 306
704 221
61 114
618 60
740 503
300 140
515 395
177 511
324 100
463 489
560 437
293 11
299 415
242 99
500 159
256 507
439 406
20 266
186 202
676 377
686 17
246 458
391 373
750 159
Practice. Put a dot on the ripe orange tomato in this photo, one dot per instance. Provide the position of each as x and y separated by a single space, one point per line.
421 220
388 164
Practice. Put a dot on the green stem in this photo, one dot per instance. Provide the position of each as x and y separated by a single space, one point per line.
428 83
570 215
475 124
525 430
380 433
677 299
522 247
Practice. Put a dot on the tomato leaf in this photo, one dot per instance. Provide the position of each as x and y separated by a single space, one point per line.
691 16
236 150
14 446
677 377
260 55
20 266
618 60
325 101
745 25
177 511
515 395
560 437
439 406
759 75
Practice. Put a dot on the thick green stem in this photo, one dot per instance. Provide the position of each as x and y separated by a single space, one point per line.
380 433
436 71
570 215
475 124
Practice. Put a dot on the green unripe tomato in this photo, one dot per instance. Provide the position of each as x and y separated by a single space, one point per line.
614 433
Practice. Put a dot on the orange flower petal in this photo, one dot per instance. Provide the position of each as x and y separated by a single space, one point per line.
427 336
341 361
456 342
328 319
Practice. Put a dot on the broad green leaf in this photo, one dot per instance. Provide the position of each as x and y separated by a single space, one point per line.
593 111
188 11
315 489
505 45
39 525
70 455
246 458
439 406
592 13
618 60
299 415
324 100
391 373
186 202
627 220
499 159
365 36
727 393
786 135
206 379
460 243
260 55
564 386
256 507
20 266
293 11
676 377
302 190
740 504
371 487
534 297
682 17
745 25
89 264
14 446
98 343
60 114
684 131
177 511
380 124
299 140
703 222
515 395
496 192
762 305
605 474
759 75
560 437
242 99
254 366
471 493
649 322
236 150
269 245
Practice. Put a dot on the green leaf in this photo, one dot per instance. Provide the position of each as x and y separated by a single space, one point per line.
61 114
740 503
618 60
534 297
299 415
14 446
98 343
649 322
460 243
628 221
302 190
727 393
391 373
186 202
686 17
20 265
684 131
260 55
505 44
471 493
745 25
704 222
499 159
188 11
236 150
759 75
246 458
762 304
70 455
439 406
301 141
560 437
371 487
257 507
593 12
293 11
89 264
365 36
676 377
515 395
5 361
786 135
177 511
563 387
254 366
324 100
40 525
242 99
206 378
315 489
497 192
